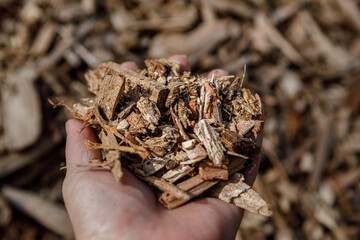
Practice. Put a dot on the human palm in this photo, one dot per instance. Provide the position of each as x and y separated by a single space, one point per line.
100 208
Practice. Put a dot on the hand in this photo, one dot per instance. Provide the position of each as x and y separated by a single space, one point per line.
100 208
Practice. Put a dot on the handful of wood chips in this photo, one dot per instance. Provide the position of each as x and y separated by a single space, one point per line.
186 135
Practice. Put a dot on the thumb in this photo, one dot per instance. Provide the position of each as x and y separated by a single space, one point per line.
76 151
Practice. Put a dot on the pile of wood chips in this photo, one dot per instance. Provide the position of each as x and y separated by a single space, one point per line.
183 134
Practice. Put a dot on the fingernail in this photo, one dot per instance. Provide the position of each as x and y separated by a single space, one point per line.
130 65
217 73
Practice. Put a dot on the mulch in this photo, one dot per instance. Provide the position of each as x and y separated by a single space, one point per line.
302 58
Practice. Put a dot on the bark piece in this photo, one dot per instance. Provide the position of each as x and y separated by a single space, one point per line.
157 70
211 141
236 191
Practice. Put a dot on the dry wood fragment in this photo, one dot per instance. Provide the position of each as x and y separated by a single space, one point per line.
243 126
234 142
175 174
195 154
159 146
123 114
167 187
179 125
112 87
137 123
112 156
238 192
84 107
149 110
211 141
210 172
152 165
324 124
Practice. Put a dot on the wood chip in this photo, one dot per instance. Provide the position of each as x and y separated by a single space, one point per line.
112 156
149 110
211 141
242 195
211 172
177 173
152 165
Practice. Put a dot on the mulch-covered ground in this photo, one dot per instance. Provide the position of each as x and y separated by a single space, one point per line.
302 57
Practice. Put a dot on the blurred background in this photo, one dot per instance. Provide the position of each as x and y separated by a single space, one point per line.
302 58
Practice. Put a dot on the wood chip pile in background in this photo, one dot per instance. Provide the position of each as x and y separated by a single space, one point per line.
302 58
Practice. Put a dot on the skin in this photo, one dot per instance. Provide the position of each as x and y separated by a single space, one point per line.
100 208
